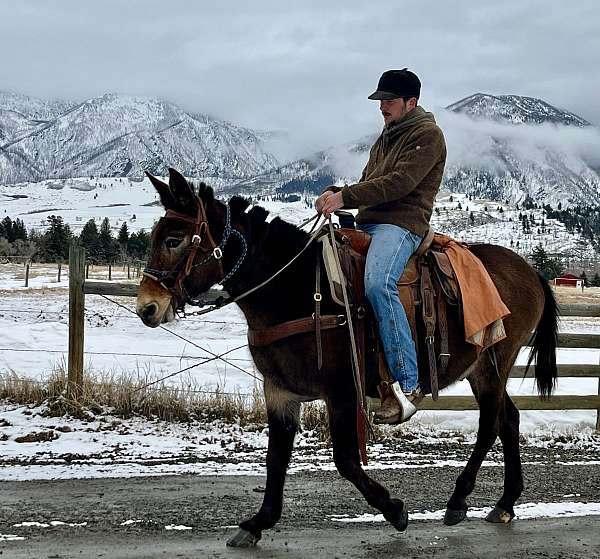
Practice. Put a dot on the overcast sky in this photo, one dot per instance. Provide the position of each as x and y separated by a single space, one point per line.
308 67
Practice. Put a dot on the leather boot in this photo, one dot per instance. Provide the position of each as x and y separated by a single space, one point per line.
396 407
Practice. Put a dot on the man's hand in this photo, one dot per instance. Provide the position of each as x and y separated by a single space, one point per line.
320 201
332 203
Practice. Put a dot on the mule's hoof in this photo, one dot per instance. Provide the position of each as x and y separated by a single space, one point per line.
499 516
453 517
243 539
399 518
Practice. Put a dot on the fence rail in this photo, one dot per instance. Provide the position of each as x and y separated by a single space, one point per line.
79 287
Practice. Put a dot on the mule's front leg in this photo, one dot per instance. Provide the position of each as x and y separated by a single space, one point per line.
283 424
342 422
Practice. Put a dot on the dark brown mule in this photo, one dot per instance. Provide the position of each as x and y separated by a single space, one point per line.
289 366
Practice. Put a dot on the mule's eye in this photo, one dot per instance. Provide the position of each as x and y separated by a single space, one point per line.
173 242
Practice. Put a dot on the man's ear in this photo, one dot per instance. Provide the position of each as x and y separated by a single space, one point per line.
182 192
166 198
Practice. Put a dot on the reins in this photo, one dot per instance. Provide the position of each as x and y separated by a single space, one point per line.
187 263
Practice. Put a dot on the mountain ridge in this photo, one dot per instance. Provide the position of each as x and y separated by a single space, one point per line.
118 135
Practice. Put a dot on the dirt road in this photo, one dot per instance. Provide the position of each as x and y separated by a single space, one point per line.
212 505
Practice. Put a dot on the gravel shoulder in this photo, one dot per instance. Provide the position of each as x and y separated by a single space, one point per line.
212 505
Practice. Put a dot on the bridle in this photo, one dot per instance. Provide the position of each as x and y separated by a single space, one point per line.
172 280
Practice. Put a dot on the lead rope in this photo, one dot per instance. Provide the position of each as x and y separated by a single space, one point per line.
358 385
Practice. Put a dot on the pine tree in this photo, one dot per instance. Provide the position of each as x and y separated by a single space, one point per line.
549 267
6 229
107 242
595 280
123 236
89 239
138 245
19 230
539 258
471 218
57 239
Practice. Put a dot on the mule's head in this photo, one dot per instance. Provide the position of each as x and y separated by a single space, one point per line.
184 261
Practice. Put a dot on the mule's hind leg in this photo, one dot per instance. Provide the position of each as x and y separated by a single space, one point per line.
503 512
342 422
489 392
283 424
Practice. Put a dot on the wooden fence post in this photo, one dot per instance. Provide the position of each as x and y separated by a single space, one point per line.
128 271
27 275
59 270
76 317
109 271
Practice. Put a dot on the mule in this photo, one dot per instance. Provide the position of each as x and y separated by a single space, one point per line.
186 260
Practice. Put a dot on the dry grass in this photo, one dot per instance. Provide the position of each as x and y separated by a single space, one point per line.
573 295
126 396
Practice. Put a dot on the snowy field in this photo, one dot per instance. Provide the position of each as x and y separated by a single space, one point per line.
34 321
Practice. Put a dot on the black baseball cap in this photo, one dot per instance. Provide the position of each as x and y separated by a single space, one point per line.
397 83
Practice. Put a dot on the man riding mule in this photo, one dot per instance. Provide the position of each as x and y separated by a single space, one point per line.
395 197
268 269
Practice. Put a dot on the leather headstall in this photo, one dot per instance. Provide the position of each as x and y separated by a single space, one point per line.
188 261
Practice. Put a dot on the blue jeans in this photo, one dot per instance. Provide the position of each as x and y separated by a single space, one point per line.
391 247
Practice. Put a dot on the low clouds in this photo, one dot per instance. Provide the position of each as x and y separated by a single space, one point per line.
470 141
307 68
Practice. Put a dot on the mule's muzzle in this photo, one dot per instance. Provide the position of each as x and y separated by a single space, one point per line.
148 314
153 315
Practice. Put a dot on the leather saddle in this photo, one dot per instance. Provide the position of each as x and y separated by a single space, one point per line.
427 286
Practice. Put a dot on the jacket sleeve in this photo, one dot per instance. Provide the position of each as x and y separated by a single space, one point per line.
422 152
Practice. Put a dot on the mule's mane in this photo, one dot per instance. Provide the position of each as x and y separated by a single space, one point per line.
278 235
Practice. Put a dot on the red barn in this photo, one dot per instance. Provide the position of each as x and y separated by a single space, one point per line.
568 279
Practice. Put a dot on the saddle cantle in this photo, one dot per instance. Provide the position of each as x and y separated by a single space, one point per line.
427 285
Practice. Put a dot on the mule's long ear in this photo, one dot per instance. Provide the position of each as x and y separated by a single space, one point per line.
182 192
166 198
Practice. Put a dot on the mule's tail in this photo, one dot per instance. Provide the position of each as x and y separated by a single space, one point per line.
543 344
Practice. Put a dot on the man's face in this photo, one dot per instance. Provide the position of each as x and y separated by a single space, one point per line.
394 109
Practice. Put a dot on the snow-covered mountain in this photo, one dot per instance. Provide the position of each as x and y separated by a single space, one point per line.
514 109
515 148
502 147
499 147
116 135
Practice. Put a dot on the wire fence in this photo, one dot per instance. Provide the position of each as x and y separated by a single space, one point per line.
96 313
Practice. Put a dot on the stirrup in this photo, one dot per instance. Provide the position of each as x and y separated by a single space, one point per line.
399 406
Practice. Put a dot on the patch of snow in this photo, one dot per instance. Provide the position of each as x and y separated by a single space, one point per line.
10 538
523 511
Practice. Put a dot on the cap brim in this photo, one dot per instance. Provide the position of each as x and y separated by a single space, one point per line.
383 96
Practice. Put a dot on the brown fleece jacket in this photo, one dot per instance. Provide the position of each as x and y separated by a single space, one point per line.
402 176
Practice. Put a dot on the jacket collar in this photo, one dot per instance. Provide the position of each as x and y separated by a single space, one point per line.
397 127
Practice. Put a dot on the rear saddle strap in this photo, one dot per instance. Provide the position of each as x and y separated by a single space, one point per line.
428 310
443 331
